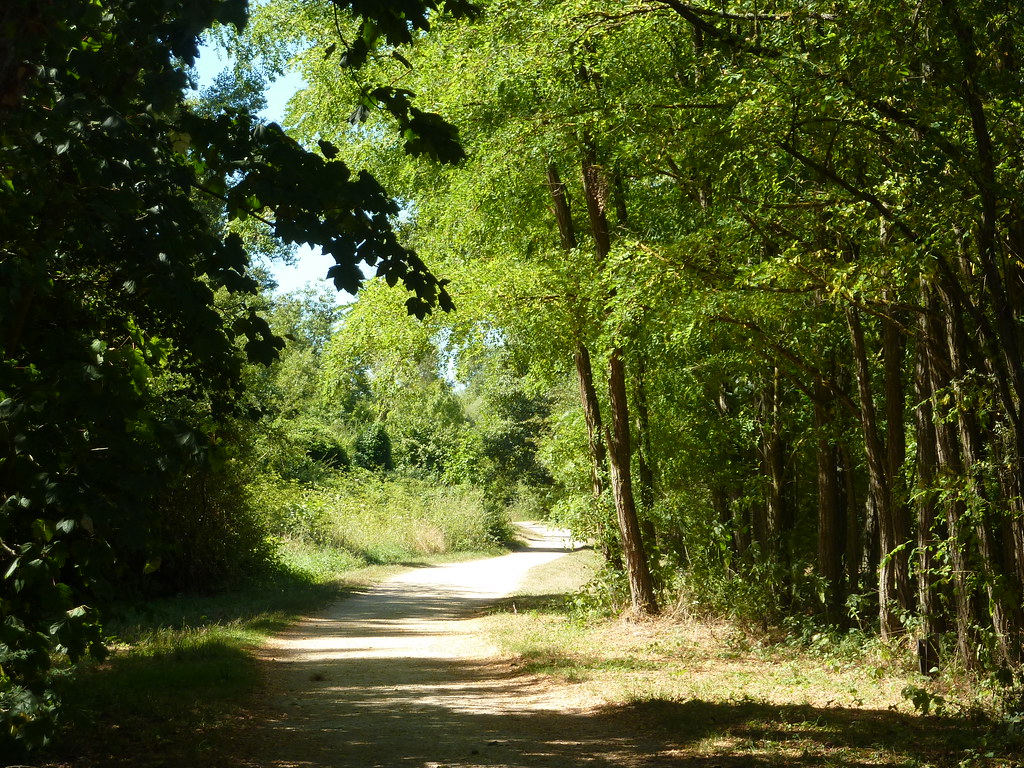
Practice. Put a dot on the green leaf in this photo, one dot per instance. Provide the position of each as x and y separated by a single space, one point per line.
43 529
330 151
346 277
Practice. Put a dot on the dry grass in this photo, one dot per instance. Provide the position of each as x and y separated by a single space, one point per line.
708 694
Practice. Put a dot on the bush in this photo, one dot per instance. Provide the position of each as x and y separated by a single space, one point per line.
399 518
321 445
206 533
372 449
292 510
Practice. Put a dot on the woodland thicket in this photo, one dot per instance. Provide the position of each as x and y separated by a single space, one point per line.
778 247
733 289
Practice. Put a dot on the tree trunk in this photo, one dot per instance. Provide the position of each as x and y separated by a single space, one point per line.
879 481
1006 362
724 498
947 448
928 592
855 531
561 209
597 195
595 190
592 417
893 353
773 461
644 457
1003 596
831 522
641 585
581 357
645 462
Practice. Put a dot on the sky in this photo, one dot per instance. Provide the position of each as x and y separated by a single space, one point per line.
311 266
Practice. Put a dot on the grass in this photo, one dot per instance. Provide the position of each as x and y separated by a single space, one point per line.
711 694
382 520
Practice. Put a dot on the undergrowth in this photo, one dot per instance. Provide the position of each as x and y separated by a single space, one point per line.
379 519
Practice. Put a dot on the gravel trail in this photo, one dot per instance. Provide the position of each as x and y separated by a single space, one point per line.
401 675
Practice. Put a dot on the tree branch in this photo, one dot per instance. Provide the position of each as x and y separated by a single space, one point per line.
791 357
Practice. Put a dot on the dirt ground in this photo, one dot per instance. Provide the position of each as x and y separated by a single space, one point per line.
404 675
401 675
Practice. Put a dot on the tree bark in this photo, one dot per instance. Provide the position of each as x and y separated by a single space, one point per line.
581 355
880 484
1007 361
950 465
645 461
592 417
831 522
773 462
596 192
1003 595
928 591
561 209
854 530
641 585
893 353
644 456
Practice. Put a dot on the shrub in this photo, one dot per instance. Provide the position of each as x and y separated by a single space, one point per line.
372 449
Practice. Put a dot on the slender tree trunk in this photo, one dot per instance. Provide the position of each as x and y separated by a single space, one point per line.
595 190
581 355
1006 362
879 481
641 585
560 207
597 195
724 498
894 349
592 417
928 591
645 460
644 456
854 528
988 249
831 522
1003 596
773 460
950 468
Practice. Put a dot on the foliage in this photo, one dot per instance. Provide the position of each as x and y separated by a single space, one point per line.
372 449
820 336
780 245
376 518
114 194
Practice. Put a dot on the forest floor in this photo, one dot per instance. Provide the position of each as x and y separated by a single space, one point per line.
440 668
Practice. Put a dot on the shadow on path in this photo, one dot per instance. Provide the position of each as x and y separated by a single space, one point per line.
399 676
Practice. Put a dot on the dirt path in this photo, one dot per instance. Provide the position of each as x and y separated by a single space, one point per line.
402 676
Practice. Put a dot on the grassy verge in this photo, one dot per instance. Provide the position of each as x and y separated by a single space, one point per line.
709 694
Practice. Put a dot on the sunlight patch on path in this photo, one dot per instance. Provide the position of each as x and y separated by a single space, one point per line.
402 675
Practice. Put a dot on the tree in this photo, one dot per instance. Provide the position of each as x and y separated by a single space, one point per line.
110 263
794 237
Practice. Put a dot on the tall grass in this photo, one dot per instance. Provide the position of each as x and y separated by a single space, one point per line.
384 519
